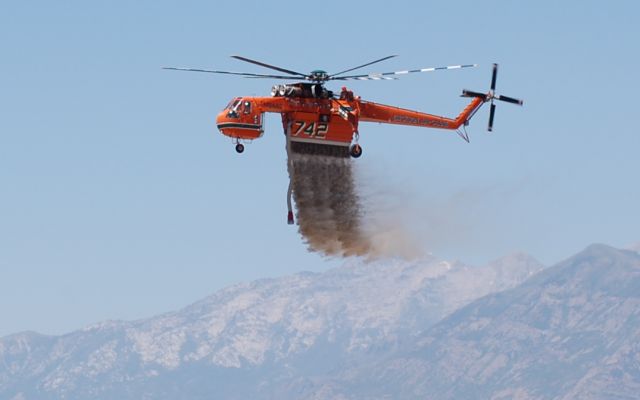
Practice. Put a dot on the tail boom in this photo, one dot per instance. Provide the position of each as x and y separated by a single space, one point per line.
381 113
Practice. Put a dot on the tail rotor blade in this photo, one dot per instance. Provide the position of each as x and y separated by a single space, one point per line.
469 93
509 100
494 76
491 96
491 115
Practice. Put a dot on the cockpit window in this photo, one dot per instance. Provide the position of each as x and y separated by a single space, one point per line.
247 107
234 107
233 104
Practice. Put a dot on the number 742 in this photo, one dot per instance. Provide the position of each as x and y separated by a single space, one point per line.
312 129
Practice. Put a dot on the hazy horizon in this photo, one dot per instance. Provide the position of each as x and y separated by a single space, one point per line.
120 200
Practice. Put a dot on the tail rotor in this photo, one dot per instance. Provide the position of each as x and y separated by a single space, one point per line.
491 96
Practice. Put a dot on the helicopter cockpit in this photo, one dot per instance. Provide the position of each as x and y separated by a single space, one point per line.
240 120
238 107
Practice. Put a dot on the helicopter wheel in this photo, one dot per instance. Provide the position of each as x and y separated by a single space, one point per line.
239 148
355 150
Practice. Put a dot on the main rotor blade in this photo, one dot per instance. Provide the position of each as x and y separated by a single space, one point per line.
371 77
286 71
384 75
509 100
363 65
494 76
245 74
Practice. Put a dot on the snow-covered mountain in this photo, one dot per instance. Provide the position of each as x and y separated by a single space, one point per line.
634 247
266 339
570 332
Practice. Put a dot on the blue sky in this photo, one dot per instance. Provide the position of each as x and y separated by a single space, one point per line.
119 199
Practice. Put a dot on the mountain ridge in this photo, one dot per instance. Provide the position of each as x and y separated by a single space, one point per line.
276 327
571 331
427 329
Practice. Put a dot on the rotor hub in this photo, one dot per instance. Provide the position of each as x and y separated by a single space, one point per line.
318 75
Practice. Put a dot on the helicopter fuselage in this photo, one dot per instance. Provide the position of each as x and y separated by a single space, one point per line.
311 114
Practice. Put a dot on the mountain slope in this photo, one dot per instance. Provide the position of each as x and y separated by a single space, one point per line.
571 331
269 338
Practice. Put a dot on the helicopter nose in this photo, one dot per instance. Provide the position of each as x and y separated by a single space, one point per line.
223 117
239 125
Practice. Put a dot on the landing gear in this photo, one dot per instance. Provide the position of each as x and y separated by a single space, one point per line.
355 150
239 148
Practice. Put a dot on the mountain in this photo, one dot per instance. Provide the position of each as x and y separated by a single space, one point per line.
570 332
634 247
273 338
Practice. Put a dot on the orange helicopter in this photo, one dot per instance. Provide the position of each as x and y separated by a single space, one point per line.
317 121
